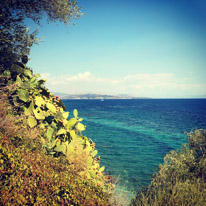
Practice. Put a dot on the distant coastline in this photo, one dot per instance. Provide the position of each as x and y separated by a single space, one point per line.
96 96
102 97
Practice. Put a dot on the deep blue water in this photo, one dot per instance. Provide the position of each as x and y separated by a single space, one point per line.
132 136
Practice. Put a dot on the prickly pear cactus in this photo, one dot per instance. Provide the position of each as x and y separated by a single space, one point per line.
60 134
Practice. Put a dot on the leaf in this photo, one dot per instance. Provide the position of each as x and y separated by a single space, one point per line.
65 115
40 82
26 85
59 116
89 161
18 81
92 173
71 123
43 140
27 73
80 127
51 153
37 75
28 111
87 147
72 133
66 143
51 107
32 121
23 95
87 143
94 153
6 73
59 148
41 126
39 113
75 113
15 101
61 131
88 176
54 125
101 169
39 101
49 133
64 121
34 79
58 142
54 142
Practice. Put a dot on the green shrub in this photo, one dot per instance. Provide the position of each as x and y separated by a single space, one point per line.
28 176
60 135
181 178
44 158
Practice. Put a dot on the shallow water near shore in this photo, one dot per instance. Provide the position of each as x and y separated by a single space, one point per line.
132 136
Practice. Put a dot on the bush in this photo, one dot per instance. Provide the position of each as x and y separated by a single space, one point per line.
181 180
41 149
28 176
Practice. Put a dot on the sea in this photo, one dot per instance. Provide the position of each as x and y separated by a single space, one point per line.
132 136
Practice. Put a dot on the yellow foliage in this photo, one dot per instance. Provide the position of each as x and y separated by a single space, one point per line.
30 177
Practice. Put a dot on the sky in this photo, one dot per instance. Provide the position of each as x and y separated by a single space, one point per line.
141 48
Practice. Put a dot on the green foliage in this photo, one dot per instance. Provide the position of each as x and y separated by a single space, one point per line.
49 136
15 37
38 113
23 95
75 113
32 121
197 142
45 159
29 177
39 101
71 123
51 107
181 180
6 73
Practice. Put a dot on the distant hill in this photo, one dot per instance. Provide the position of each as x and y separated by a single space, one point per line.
94 96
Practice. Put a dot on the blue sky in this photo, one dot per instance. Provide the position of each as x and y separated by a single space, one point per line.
143 48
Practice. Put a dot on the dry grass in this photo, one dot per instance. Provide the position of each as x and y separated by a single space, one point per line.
78 160
14 126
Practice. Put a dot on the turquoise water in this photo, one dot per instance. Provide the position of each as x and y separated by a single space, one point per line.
132 136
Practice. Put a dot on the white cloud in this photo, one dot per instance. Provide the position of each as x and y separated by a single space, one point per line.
45 75
161 85
79 77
